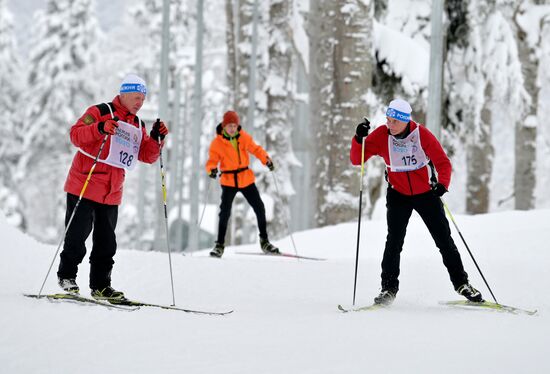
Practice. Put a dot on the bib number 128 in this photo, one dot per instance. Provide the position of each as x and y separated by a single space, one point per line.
125 158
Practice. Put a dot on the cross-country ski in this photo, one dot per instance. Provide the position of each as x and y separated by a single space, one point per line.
78 299
365 308
487 305
282 254
133 303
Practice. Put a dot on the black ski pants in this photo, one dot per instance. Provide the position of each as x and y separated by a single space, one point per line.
430 209
251 195
103 219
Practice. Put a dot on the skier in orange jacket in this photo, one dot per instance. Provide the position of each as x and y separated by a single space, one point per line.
230 152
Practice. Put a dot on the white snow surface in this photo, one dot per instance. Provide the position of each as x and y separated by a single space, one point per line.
285 318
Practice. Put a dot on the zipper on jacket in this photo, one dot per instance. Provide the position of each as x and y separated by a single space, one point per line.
239 152
239 155
410 184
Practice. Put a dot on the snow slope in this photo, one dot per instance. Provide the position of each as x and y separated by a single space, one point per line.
285 318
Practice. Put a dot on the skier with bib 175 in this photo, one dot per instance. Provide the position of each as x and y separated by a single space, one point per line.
117 128
229 151
411 153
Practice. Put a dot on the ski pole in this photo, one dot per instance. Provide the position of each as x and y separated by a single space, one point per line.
74 210
359 221
468 248
205 202
287 218
166 216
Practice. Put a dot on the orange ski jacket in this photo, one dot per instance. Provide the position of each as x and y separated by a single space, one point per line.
233 163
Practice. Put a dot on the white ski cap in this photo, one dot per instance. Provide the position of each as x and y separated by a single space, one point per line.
400 110
133 83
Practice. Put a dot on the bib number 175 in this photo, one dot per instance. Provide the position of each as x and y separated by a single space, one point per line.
409 160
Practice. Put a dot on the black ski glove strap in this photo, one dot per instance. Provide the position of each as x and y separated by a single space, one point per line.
155 131
439 189
362 130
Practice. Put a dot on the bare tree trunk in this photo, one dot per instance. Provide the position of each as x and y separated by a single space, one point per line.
231 54
244 32
480 160
341 72
279 105
526 129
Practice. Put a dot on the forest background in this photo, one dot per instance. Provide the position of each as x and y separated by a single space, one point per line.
301 75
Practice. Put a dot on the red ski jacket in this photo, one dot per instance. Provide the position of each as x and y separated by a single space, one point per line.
105 185
409 182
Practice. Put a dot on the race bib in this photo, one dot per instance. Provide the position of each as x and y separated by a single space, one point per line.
124 149
406 154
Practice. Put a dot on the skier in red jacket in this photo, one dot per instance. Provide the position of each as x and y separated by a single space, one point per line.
127 142
411 153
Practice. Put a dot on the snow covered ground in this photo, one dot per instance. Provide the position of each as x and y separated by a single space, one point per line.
285 318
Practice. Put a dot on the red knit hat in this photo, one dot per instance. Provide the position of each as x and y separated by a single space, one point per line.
230 117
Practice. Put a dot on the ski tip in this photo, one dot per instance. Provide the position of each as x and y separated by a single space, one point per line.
208 313
488 305
342 309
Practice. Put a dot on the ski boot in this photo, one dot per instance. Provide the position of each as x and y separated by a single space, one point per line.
470 293
108 293
68 285
385 297
217 251
268 248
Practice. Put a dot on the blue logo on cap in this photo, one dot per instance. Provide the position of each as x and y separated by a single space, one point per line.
400 116
133 87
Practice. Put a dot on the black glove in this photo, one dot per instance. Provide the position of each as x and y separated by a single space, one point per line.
213 173
439 189
159 130
362 130
270 165
108 127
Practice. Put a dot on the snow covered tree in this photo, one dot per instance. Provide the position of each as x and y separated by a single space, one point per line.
470 95
244 45
340 74
279 110
231 40
10 74
380 10
145 20
10 80
543 134
526 126
486 75
60 87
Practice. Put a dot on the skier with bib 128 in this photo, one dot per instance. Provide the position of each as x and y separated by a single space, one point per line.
126 142
411 153
229 151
